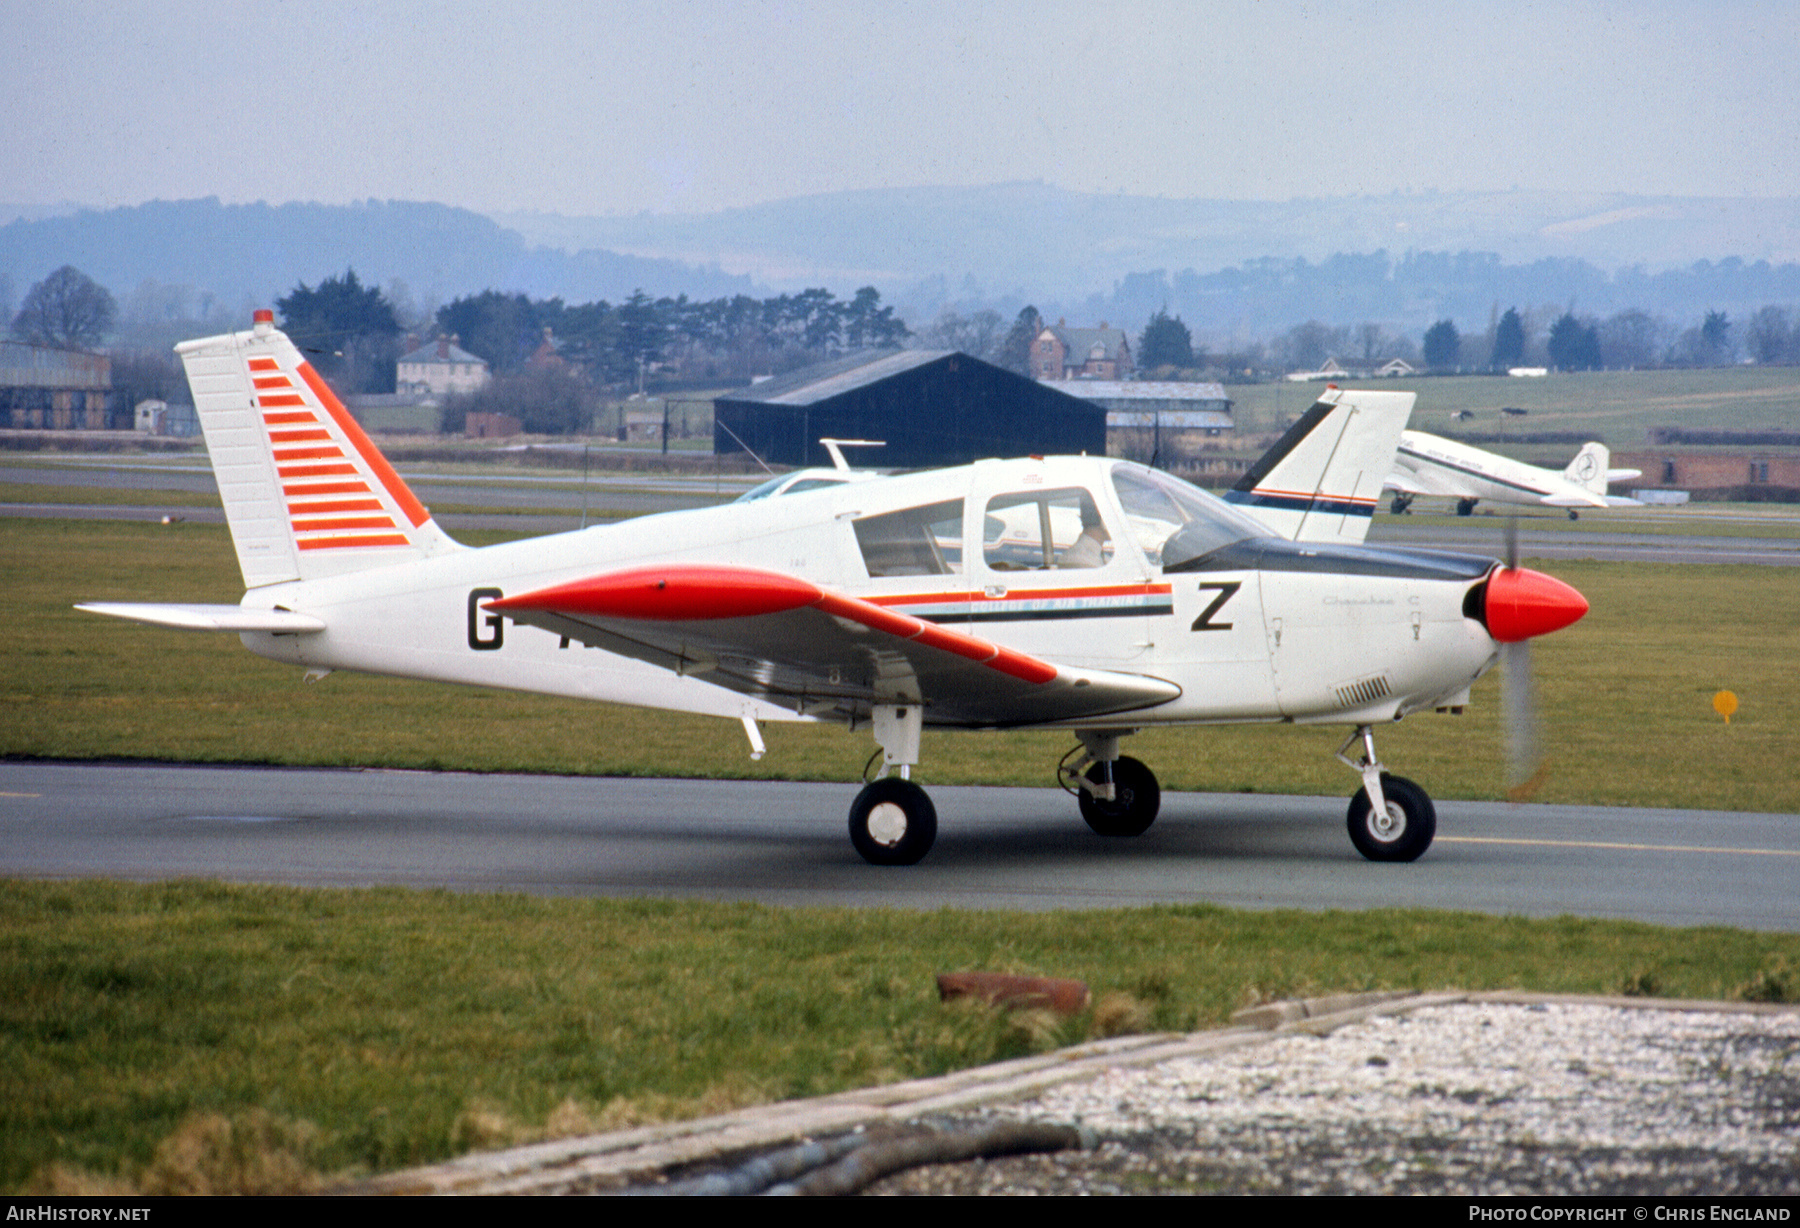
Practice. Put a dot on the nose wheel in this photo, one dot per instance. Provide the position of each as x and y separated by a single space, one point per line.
1402 830
892 822
1400 822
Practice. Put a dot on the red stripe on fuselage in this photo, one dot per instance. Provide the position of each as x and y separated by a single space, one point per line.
1025 594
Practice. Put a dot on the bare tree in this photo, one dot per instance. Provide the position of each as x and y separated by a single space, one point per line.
1769 337
68 310
1632 339
978 335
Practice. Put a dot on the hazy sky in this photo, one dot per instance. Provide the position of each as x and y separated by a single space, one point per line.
669 106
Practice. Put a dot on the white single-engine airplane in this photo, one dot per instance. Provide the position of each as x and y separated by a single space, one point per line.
942 599
1428 465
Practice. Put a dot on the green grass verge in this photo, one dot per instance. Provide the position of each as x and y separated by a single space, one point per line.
1617 406
196 1037
1627 697
1762 520
103 496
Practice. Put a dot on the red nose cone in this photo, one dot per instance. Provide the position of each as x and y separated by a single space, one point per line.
1522 603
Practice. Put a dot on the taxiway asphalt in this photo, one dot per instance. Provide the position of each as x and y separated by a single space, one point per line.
786 843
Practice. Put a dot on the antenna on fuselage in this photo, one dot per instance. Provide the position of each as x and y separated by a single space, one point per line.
836 446
746 447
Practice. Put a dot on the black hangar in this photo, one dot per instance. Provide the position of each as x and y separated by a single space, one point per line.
932 407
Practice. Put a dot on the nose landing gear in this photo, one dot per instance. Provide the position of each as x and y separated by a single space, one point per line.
1390 817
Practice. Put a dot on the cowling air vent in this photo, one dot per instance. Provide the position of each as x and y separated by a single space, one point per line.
1356 694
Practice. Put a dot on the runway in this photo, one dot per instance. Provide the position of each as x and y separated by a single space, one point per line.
785 843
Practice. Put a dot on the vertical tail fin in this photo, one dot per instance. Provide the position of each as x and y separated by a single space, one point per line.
1588 469
305 491
1321 480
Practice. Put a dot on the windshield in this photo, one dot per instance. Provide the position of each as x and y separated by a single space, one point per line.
774 486
1160 508
762 490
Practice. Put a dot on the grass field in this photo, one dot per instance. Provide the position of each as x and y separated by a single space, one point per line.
195 1037
1617 407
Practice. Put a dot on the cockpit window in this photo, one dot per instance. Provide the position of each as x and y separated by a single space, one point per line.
917 541
1159 507
1038 530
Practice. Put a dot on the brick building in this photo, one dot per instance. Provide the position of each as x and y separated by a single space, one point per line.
1064 353
1748 474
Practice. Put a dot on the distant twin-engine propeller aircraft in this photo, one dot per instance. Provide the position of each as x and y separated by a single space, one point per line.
1428 465
1078 593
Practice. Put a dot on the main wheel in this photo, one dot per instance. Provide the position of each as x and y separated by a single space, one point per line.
1136 799
1407 829
892 822
1465 507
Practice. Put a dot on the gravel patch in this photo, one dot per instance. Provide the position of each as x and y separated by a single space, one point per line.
1475 1099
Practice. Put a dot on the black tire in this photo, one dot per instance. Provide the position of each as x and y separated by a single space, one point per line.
893 823
1137 797
1465 507
1412 822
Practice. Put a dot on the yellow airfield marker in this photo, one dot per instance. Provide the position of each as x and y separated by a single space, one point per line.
1725 703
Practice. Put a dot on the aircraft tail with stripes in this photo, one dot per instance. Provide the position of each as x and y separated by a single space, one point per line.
1322 479
306 493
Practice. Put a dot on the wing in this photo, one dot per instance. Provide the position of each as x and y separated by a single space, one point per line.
191 617
786 640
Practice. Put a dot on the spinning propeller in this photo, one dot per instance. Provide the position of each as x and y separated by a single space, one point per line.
1520 604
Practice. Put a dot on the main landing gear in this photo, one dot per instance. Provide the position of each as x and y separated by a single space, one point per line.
1402 503
1117 794
1390 817
1466 507
892 821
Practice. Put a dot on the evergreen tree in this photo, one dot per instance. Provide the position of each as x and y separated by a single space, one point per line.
1443 346
1015 349
1573 346
1509 341
347 328
1165 342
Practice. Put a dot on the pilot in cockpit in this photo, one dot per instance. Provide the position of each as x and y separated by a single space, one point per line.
1088 550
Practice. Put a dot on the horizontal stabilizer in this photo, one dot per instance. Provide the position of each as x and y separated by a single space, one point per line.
208 617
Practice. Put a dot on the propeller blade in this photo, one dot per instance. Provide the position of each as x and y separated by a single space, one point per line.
1524 758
